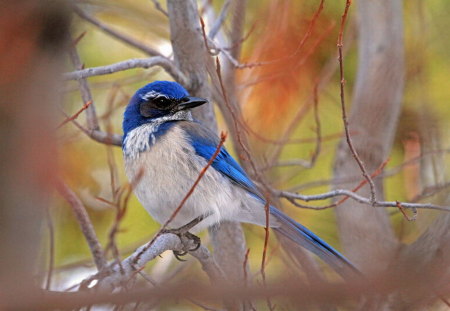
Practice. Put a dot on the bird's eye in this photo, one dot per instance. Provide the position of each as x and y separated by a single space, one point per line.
161 102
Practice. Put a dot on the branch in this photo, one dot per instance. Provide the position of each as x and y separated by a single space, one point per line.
73 117
219 21
163 62
51 250
129 267
98 135
302 295
91 115
356 197
85 224
114 33
355 155
159 7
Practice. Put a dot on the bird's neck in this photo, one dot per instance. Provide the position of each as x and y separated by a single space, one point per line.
141 138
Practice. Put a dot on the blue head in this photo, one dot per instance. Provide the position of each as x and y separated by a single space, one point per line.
155 100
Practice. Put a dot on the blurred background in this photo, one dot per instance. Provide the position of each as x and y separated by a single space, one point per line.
276 101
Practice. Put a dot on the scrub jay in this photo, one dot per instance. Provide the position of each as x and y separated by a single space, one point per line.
164 143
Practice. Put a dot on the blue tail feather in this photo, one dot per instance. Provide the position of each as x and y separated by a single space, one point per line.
301 235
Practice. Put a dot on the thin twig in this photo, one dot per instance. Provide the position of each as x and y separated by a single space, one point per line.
91 115
99 136
51 249
239 65
266 242
237 43
355 155
388 173
430 191
78 39
356 197
264 253
159 7
73 117
318 148
377 172
402 210
244 266
236 121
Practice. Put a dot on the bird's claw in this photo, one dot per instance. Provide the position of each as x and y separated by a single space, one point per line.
178 255
187 239
195 239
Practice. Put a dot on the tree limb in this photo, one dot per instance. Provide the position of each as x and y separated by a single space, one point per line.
163 62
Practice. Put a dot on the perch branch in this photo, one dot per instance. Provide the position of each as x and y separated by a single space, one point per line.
167 241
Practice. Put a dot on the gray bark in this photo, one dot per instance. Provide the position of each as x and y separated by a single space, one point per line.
366 232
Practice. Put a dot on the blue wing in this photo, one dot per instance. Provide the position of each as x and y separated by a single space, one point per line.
205 144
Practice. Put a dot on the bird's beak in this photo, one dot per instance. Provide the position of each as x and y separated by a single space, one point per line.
190 102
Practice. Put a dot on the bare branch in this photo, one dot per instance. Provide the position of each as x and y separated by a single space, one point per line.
163 62
358 160
91 115
99 136
51 249
123 272
85 223
376 105
356 197
116 34
159 7
219 21
73 117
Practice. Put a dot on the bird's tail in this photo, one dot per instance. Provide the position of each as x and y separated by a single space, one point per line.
301 235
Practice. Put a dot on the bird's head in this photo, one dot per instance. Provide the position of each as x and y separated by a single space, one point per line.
156 100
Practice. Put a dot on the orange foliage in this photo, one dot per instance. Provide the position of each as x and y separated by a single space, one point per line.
291 63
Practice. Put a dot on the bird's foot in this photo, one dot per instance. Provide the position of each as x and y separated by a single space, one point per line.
190 241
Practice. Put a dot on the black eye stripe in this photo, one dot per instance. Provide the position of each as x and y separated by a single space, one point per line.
161 101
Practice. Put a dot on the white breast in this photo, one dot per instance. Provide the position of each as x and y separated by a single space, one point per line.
170 168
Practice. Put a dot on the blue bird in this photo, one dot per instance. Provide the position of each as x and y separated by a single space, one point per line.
169 148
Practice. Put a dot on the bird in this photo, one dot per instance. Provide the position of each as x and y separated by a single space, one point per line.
166 149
